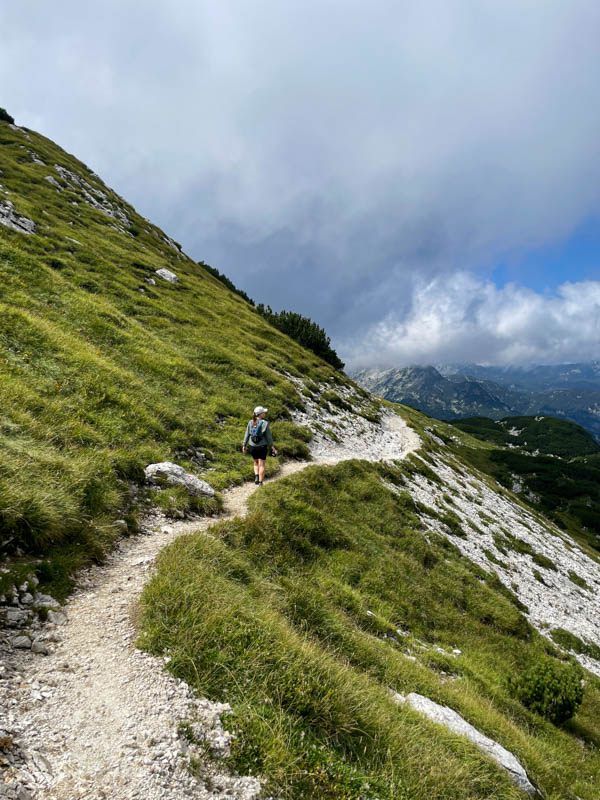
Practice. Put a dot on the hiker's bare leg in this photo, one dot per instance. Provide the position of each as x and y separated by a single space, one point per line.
256 467
261 469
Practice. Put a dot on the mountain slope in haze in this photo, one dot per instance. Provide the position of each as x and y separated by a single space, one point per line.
429 391
107 366
536 378
571 393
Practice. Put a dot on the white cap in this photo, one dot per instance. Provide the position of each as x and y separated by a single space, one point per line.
260 410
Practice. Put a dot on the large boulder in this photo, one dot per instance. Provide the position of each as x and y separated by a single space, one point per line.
167 275
174 475
450 719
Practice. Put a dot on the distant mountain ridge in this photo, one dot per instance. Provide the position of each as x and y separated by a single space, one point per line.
566 391
535 378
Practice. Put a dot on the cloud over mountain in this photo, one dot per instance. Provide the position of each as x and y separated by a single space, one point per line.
456 317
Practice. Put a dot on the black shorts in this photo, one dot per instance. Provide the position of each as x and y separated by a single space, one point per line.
258 451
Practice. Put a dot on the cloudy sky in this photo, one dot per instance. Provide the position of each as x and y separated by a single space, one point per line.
422 179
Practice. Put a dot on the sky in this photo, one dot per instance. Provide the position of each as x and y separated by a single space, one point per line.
421 179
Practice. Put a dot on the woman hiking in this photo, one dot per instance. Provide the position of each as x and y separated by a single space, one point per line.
258 433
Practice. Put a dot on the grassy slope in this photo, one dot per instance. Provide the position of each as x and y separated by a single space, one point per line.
292 616
98 379
547 435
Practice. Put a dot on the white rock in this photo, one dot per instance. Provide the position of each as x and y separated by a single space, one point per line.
175 475
22 642
167 275
10 219
450 719
15 616
57 617
44 600
39 647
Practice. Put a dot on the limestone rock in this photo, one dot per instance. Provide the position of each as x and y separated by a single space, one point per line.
450 719
91 195
174 475
39 647
22 642
10 219
15 617
44 600
52 181
167 275
57 617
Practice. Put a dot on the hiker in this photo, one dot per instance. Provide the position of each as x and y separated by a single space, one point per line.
257 441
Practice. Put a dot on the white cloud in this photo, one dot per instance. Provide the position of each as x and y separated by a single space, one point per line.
460 318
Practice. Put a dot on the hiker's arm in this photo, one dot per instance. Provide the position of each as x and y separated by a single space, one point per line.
246 437
269 438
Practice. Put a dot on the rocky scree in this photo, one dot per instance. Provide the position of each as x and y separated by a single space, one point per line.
501 536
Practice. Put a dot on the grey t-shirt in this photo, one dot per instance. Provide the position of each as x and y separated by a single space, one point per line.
266 437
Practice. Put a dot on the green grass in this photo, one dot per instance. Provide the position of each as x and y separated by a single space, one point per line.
99 378
566 489
548 435
291 615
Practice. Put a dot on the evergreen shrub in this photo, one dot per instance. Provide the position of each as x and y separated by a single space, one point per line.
5 116
304 331
550 688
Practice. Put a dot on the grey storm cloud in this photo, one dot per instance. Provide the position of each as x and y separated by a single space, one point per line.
331 157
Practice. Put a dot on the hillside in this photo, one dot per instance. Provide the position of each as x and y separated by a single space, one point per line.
533 435
268 643
554 465
106 366
426 389
569 392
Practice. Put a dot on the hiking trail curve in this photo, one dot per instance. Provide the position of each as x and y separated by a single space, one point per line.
96 717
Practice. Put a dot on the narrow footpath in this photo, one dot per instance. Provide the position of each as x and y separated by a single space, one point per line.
97 718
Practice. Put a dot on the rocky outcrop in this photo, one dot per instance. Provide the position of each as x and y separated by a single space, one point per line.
454 722
94 197
173 475
10 219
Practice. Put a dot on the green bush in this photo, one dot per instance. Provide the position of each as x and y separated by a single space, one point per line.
5 116
550 688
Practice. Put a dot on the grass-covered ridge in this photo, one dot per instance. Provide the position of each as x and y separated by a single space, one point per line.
540 435
329 594
106 367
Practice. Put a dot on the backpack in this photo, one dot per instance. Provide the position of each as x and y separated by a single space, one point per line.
256 433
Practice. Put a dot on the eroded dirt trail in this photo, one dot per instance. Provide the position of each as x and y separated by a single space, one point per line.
98 718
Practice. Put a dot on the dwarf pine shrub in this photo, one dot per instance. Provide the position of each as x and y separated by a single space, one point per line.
5 116
550 688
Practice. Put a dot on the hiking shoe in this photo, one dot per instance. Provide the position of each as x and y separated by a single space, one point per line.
260 483
256 479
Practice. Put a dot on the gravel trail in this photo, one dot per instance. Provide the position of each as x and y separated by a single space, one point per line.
97 718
